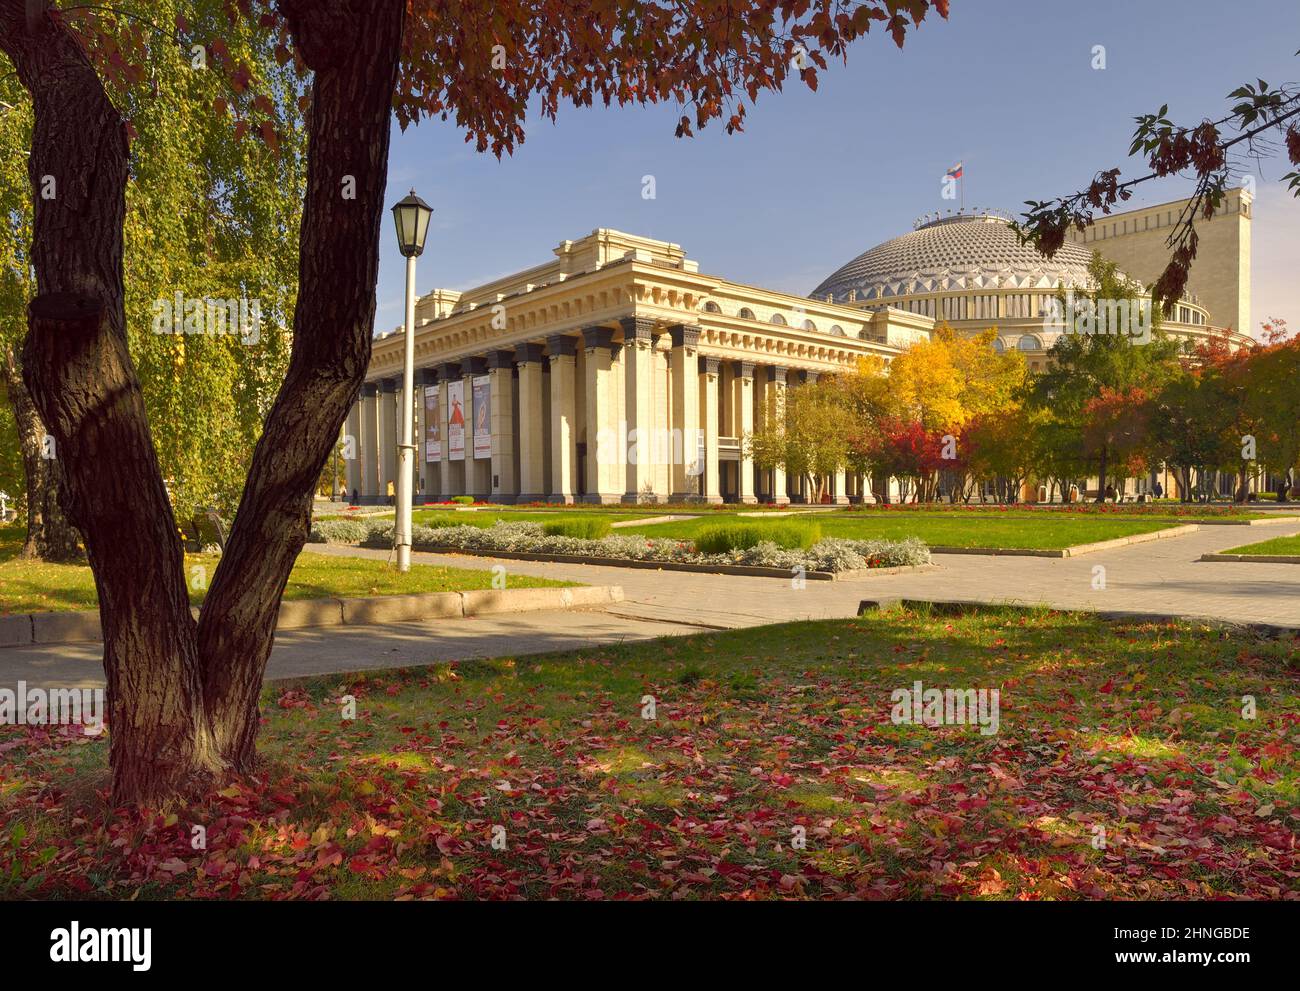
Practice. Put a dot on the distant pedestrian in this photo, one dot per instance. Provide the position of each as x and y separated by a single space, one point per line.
391 492
1159 490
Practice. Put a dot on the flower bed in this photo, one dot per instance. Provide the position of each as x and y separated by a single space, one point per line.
1089 508
830 554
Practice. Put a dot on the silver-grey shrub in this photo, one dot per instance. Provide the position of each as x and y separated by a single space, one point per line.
829 554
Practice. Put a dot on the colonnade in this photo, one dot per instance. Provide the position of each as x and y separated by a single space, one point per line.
598 416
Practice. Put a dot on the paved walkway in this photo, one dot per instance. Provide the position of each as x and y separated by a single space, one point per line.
1162 576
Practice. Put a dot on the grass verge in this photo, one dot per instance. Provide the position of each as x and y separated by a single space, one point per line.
1124 766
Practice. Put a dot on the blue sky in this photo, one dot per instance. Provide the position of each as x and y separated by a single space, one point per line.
1005 86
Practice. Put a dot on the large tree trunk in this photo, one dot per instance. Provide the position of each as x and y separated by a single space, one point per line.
76 365
50 536
183 699
353 48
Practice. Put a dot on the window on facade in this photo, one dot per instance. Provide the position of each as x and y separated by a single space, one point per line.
1028 343
778 320
998 346
809 325
837 330
746 313
712 307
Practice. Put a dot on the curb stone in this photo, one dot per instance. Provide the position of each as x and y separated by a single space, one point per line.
83 624
886 602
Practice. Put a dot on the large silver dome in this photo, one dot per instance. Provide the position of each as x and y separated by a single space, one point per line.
966 252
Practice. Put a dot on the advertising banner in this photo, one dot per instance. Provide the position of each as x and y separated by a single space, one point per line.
456 421
432 425
482 416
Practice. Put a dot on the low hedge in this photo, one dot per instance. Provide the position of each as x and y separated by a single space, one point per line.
827 554
582 527
719 538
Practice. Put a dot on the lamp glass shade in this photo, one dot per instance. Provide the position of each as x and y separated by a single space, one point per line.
411 216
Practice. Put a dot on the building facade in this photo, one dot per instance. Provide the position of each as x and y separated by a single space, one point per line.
617 372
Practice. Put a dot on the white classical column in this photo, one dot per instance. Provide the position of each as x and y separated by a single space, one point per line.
563 435
453 472
387 405
370 442
352 446
776 393
684 368
742 405
501 366
841 496
478 471
638 353
532 439
709 387
605 483
419 433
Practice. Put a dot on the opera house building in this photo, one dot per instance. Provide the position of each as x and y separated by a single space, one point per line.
617 371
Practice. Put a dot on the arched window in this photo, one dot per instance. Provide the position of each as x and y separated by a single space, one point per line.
998 346
712 307
809 325
1028 343
837 330
745 313
778 320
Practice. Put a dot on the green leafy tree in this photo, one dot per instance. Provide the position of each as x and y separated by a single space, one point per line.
211 214
803 430
1082 365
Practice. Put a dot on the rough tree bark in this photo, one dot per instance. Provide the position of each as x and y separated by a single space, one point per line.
182 697
352 47
50 535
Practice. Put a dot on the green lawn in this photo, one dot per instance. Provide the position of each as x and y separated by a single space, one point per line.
1032 531
487 517
27 586
1278 545
1123 767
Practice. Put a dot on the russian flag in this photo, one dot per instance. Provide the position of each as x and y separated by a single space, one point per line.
954 172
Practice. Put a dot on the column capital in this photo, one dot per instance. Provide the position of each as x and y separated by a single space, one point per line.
501 359
598 337
684 335
561 345
778 373
744 369
637 329
709 364
449 370
388 386
810 377
528 352
368 390
426 376
476 365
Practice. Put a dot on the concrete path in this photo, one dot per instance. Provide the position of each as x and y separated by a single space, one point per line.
1162 576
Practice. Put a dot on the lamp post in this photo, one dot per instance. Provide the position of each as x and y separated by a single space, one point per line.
411 215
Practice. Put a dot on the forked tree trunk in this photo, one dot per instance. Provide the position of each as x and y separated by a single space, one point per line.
79 367
353 47
183 700
50 535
